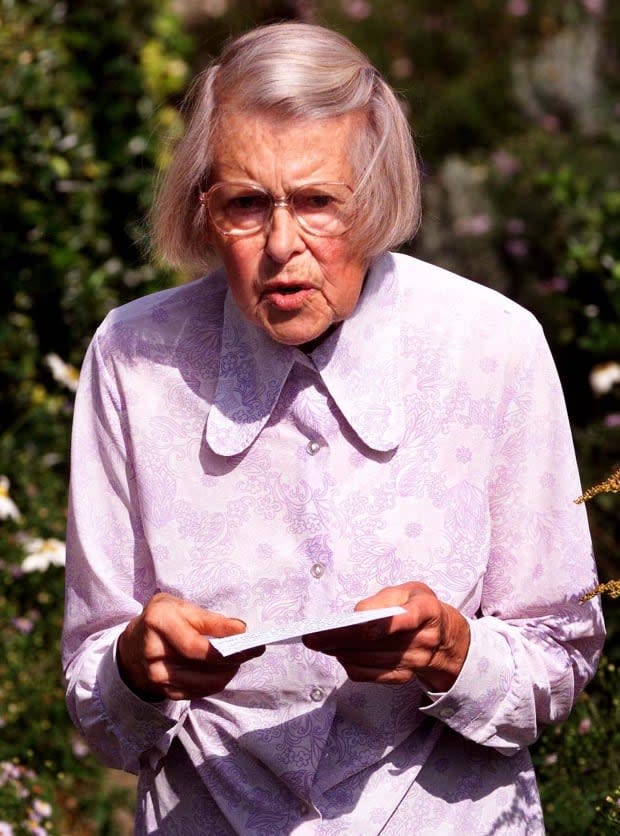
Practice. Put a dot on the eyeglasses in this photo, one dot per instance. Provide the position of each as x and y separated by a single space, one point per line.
246 208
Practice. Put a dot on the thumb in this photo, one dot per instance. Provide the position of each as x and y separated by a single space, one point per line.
210 623
390 596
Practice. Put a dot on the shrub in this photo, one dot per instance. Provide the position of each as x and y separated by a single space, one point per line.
83 87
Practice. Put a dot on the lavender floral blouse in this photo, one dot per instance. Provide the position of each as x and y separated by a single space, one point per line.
426 439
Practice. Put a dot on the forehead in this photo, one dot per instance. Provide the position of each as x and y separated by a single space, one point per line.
282 153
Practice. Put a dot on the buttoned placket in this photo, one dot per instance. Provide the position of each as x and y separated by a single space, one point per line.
317 570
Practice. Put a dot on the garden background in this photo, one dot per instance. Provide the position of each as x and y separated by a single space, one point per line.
516 111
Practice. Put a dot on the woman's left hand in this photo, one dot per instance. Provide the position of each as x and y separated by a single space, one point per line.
429 641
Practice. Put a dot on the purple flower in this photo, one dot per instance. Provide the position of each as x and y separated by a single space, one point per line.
550 123
474 226
517 247
585 725
356 9
22 625
517 8
612 420
515 226
504 163
594 7
557 284
402 67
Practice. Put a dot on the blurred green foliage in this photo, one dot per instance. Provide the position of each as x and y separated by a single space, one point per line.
82 91
557 230
85 90
571 758
516 109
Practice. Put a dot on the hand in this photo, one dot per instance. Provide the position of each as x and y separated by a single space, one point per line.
430 641
164 652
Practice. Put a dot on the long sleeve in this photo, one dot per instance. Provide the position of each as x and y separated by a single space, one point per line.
426 439
109 571
534 646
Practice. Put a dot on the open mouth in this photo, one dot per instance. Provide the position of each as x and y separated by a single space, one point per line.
288 290
287 297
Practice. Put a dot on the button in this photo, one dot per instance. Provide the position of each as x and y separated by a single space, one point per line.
317 570
446 713
312 448
317 694
303 809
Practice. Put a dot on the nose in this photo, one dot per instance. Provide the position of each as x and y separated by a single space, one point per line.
284 238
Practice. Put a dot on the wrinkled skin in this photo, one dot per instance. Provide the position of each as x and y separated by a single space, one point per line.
429 641
164 653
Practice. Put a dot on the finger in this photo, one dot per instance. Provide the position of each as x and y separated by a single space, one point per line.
386 658
209 623
194 678
184 627
390 597
189 683
356 636
396 596
421 605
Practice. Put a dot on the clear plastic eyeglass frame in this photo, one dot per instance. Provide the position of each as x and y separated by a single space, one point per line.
238 208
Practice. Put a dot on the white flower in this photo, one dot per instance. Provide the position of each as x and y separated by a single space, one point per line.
79 747
42 554
7 507
603 377
63 372
42 808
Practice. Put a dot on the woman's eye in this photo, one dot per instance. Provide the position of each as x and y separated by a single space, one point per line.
320 200
247 203
313 201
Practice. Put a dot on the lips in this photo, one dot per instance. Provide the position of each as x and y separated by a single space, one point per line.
287 296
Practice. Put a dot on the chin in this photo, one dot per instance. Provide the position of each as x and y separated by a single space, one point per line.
295 333
294 339
302 338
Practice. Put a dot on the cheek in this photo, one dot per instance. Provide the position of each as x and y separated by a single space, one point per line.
345 276
241 264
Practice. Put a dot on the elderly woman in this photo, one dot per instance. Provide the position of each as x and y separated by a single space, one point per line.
320 426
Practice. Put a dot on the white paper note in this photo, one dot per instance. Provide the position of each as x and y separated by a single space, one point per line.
278 633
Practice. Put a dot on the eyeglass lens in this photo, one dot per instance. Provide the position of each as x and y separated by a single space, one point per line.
237 208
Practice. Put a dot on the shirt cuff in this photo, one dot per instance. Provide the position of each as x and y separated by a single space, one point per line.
481 685
144 727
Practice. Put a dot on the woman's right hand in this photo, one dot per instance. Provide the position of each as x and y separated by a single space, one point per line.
165 653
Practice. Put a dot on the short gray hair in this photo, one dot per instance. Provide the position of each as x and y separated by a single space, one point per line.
295 71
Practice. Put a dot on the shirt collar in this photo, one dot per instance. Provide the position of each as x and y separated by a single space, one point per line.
358 364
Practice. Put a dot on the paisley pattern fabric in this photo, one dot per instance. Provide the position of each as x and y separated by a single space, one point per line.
425 439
